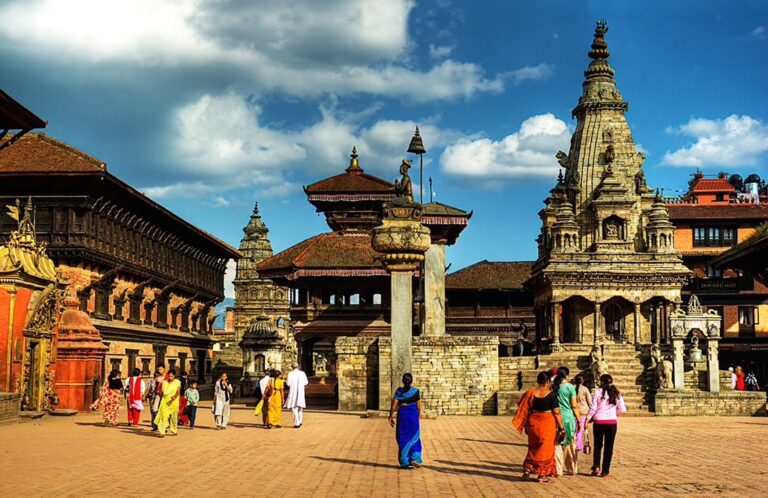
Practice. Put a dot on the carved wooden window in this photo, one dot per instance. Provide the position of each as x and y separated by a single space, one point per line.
132 355
115 363
714 236
145 366
748 318
182 363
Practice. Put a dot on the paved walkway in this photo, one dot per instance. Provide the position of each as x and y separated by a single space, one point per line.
338 454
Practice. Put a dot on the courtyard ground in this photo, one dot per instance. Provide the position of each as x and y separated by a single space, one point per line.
337 454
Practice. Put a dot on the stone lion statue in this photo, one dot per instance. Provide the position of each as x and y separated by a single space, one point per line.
599 366
664 373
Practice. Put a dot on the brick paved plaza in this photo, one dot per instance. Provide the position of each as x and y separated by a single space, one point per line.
337 454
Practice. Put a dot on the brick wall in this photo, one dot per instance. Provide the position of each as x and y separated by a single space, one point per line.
725 403
456 375
357 358
9 408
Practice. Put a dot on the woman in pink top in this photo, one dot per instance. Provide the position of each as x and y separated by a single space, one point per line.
607 405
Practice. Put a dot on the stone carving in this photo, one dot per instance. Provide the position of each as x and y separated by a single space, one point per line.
641 186
694 306
655 356
610 154
321 364
599 365
608 136
403 187
664 373
562 158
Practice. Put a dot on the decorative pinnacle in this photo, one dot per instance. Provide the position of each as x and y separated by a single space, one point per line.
256 208
417 144
354 166
599 45
599 67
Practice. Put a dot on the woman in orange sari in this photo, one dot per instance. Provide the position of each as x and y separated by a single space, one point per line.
538 413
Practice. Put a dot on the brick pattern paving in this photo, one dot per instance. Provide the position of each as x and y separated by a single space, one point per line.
338 454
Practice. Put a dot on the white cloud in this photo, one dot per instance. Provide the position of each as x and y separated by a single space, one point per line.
224 132
733 141
439 51
229 277
292 47
760 32
531 73
221 141
528 152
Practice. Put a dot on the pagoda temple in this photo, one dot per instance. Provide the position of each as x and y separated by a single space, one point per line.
339 286
608 269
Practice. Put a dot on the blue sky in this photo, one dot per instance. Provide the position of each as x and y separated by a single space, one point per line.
209 106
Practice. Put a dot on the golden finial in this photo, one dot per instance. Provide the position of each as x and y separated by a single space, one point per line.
354 166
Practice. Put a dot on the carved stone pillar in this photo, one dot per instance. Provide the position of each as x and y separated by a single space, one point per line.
679 364
555 326
403 240
713 366
434 290
637 316
596 338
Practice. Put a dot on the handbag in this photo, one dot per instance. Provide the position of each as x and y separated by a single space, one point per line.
269 390
587 444
259 408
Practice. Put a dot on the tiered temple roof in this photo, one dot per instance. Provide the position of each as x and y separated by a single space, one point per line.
352 203
491 275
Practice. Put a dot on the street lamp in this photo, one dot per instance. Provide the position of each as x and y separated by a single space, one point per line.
417 147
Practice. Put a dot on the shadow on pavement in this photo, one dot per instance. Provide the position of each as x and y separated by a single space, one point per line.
357 462
505 443
499 466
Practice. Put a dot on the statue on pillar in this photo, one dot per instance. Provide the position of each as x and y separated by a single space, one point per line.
404 187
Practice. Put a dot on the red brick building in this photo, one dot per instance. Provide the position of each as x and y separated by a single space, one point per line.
147 279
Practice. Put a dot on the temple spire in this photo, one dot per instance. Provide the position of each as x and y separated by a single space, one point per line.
354 166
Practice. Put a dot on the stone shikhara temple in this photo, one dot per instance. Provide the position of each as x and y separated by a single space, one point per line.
368 299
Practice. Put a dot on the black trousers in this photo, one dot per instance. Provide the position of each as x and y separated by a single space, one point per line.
192 414
605 435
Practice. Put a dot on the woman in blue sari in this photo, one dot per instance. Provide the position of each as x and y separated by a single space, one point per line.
407 404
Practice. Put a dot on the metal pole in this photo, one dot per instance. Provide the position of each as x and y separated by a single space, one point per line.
421 178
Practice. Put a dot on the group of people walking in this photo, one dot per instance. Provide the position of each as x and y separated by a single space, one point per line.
270 391
556 415
741 381
173 401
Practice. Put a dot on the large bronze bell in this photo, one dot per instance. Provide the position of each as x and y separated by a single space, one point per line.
694 354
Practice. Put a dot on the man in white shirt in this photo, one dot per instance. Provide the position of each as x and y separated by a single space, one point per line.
296 381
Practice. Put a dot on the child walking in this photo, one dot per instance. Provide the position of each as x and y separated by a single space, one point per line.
193 398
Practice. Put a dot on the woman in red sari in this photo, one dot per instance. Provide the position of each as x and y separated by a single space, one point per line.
110 398
538 413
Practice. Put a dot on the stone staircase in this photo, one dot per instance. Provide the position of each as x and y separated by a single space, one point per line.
624 364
